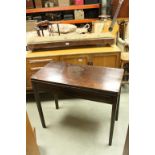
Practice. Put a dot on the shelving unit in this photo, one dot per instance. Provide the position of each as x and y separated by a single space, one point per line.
66 8
75 21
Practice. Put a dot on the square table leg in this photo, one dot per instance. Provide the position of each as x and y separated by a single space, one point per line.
38 101
56 101
118 103
113 117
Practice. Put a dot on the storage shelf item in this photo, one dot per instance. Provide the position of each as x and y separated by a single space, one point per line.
65 8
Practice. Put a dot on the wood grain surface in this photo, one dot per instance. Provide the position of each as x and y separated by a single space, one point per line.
91 77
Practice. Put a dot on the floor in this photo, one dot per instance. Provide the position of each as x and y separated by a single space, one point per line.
80 127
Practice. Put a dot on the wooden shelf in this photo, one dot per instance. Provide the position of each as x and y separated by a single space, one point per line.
75 21
71 7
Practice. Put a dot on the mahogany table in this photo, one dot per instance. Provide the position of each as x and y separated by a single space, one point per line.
100 84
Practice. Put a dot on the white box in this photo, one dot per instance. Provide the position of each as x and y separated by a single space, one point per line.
79 14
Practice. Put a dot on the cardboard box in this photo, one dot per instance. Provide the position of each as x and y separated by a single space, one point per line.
79 14
63 2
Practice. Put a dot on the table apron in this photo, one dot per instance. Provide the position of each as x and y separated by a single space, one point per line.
89 94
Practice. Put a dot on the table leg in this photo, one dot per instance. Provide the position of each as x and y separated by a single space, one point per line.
56 101
37 98
118 103
113 115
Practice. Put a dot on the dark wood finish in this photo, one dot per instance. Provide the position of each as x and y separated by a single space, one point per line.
113 117
92 77
118 101
37 98
83 56
71 43
88 82
56 101
65 8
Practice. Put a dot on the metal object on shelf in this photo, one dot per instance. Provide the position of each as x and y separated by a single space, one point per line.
38 31
104 16
84 29
41 26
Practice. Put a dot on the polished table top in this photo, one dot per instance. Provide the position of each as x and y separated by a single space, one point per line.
88 77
